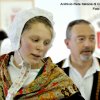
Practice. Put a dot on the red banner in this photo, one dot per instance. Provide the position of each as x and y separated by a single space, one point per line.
98 40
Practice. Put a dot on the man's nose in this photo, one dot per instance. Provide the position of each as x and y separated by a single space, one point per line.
87 42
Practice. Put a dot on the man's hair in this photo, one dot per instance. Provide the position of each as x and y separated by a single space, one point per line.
3 35
71 24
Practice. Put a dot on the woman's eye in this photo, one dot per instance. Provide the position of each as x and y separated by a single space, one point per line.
35 40
46 42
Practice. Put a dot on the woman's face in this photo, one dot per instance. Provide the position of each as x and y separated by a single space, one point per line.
35 42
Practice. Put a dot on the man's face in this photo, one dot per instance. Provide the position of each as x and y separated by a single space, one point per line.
82 42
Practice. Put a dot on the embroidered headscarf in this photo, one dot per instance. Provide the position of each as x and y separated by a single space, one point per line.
15 30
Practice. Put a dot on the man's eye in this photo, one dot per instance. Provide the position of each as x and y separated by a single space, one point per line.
81 39
92 38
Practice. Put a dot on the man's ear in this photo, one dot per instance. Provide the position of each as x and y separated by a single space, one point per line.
67 43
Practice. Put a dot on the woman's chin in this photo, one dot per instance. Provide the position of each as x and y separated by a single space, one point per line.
34 62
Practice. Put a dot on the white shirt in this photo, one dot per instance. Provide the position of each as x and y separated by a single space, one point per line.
15 72
20 78
85 83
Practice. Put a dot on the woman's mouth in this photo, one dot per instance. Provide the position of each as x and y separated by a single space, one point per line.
36 56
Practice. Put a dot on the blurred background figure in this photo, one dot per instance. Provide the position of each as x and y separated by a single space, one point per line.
5 44
3 36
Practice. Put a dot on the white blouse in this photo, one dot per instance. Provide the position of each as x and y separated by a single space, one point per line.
19 77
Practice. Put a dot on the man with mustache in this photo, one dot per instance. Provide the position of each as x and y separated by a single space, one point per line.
81 66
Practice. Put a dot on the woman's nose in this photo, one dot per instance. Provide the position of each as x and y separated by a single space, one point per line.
40 46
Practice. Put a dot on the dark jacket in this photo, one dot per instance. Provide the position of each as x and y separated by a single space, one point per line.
95 93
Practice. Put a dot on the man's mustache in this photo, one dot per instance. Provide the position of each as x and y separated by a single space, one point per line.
87 50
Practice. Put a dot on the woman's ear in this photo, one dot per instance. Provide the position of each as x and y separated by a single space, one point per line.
67 43
50 45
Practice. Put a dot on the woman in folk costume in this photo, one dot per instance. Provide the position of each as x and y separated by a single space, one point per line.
24 73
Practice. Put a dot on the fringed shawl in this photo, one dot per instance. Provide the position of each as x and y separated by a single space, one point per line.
51 83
